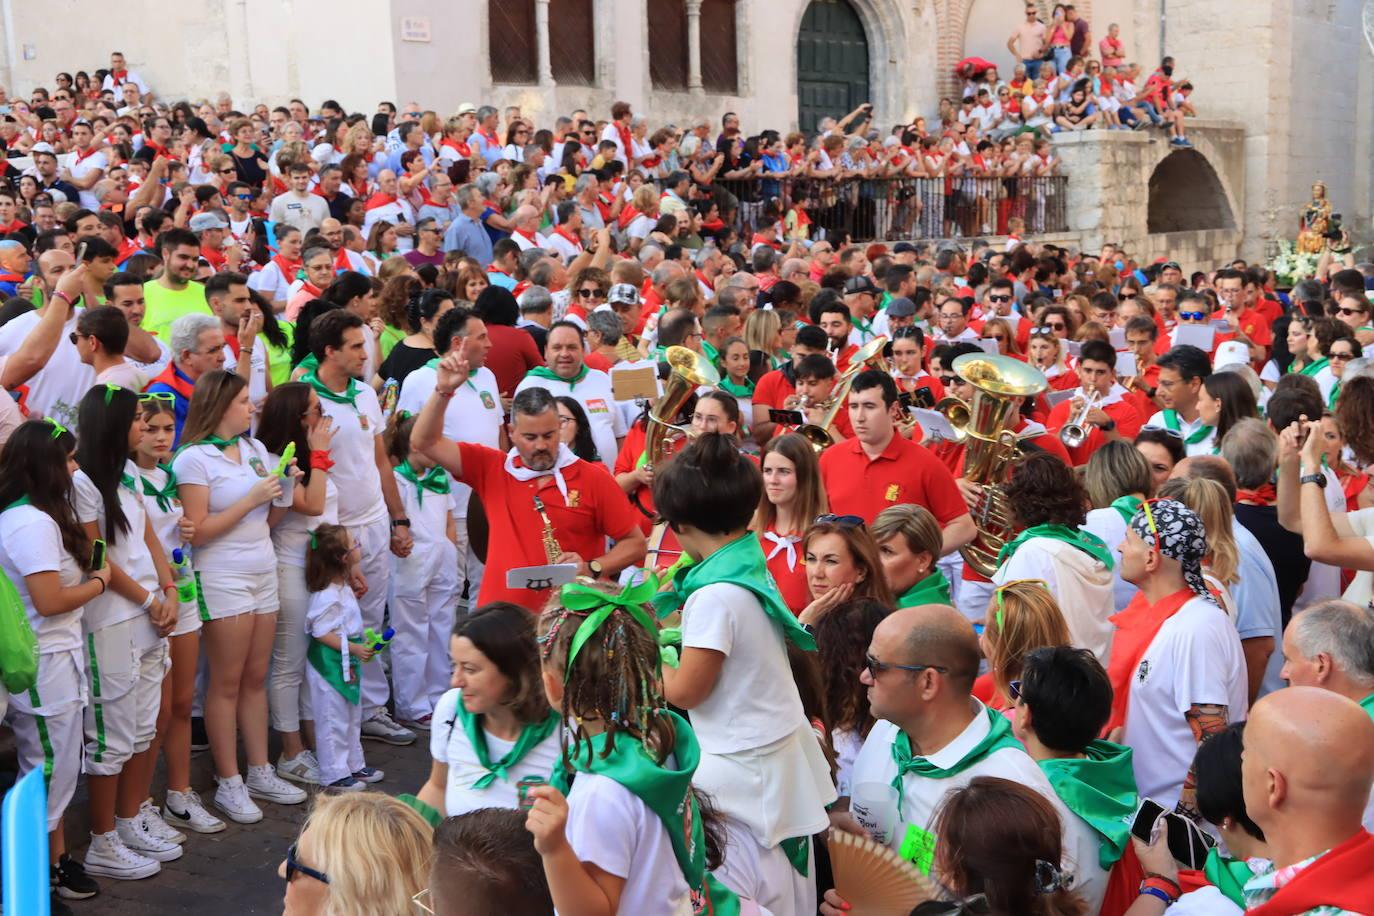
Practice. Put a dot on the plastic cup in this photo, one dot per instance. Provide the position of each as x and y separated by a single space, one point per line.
874 806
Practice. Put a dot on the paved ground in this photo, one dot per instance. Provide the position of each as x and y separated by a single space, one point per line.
235 872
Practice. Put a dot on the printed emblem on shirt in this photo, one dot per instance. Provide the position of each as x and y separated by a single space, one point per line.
893 491
574 499
1143 674
362 420
488 401
255 463
597 405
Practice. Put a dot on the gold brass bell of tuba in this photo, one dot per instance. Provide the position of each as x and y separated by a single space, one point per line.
1000 383
823 435
689 371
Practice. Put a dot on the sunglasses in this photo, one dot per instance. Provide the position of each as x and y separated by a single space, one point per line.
876 667
588 293
1154 428
1014 688
1343 310
294 867
1341 356
74 337
1192 316
999 298
844 521
1126 297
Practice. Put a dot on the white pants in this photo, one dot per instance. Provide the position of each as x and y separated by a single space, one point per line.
765 876
338 730
288 697
46 720
375 542
424 590
974 597
952 565
125 664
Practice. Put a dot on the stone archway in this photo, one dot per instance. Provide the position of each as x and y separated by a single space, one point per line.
1186 194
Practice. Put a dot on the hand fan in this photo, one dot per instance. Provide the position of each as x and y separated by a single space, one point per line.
873 879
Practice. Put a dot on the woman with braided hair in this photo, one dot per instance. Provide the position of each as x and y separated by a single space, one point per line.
761 761
621 828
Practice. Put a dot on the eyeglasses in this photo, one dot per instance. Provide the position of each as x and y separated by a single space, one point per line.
876 667
1192 316
1155 428
844 521
1057 327
999 298
1344 310
421 902
293 865
157 396
74 337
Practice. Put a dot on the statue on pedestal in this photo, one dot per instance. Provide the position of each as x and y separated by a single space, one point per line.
1315 223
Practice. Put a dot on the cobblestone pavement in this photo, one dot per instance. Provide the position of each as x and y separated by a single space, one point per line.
235 871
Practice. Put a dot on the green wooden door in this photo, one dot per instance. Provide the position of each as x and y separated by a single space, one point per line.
832 62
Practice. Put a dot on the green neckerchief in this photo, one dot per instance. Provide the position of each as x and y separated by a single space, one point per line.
165 495
998 737
435 480
328 664
740 391
1100 789
434 364
1311 369
864 327
21 501
547 373
531 736
310 363
1367 704
1335 393
1127 505
1228 876
348 396
933 589
128 482
425 810
216 441
1085 541
708 351
1171 420
740 562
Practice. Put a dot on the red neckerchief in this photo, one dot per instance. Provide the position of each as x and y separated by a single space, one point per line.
13 225
1136 627
174 380
119 76
1264 495
462 149
627 143
520 288
288 268
159 152
341 261
627 215
1340 878
214 257
491 138
9 277
803 218
493 269
704 280
127 249
570 236
527 236
714 225
234 346
82 157
311 288
318 193
380 200
652 162
603 204
760 240
577 311
279 187
359 189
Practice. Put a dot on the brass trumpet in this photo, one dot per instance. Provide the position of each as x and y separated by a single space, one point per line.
1076 432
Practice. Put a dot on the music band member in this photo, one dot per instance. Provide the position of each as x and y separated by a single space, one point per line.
1111 415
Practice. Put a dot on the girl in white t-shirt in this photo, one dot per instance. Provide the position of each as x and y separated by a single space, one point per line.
424 584
337 646
620 827
291 414
494 732
125 652
227 490
46 554
183 808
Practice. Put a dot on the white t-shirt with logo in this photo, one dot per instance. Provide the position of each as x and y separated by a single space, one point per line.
593 392
449 744
129 551
57 388
353 450
247 547
473 414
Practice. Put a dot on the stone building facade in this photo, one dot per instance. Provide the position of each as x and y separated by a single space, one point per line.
1292 77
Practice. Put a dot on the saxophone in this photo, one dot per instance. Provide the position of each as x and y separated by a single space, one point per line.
552 551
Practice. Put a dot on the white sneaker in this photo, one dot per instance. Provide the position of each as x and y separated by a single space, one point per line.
231 797
381 727
154 824
303 768
192 816
110 858
263 783
139 839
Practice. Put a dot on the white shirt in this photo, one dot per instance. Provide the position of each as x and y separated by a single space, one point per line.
129 551
1111 528
755 700
611 132
304 211
609 827
397 212
247 547
566 249
164 523
448 744
593 392
1195 658
129 77
272 283
1205 446
31 543
473 414
334 609
1081 585
525 244
257 370
291 535
80 168
428 515
57 388
355 458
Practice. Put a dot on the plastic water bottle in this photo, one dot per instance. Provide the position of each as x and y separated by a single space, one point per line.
185 578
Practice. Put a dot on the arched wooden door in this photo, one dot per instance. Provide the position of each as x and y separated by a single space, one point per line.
832 62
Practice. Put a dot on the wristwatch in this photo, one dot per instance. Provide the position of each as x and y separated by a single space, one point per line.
400 523
1318 479
595 567
1108 426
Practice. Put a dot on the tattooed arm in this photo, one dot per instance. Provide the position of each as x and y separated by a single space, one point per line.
1206 720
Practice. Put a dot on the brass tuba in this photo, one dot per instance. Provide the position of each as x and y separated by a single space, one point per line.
689 371
990 447
823 435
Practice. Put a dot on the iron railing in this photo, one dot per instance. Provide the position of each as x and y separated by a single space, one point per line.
894 209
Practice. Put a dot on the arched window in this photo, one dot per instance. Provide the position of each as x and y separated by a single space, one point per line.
511 41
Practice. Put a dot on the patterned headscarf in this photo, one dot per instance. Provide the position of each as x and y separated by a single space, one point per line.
1173 529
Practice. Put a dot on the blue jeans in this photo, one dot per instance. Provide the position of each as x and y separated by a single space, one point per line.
1062 53
1033 68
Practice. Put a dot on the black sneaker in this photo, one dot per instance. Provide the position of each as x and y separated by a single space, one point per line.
70 880
200 741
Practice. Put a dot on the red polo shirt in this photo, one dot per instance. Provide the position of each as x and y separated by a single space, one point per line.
1254 324
594 510
512 355
904 473
773 390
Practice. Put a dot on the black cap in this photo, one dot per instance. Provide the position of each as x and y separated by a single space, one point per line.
860 284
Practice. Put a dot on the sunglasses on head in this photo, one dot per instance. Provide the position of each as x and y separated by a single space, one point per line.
843 521
1153 428
1192 316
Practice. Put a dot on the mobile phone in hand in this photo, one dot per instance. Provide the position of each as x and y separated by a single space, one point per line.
97 554
1188 843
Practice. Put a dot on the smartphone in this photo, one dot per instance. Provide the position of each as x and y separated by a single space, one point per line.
786 417
97 554
921 397
80 254
1188 843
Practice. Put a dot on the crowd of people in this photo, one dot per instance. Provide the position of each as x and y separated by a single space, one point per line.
686 550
